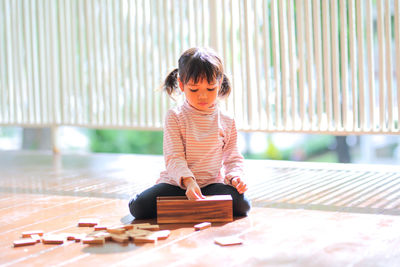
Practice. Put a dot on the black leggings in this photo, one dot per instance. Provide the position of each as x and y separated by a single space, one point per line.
144 205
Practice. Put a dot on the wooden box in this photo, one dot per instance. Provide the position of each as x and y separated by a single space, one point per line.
178 209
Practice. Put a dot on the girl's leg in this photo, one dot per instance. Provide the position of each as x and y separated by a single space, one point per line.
144 205
241 205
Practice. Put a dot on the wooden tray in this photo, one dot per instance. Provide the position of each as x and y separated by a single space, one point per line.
178 209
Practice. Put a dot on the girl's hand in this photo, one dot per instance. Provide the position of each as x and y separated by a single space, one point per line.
193 190
240 186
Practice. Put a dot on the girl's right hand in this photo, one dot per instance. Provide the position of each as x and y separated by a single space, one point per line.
193 190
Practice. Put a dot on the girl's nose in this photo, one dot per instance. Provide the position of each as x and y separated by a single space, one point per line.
202 95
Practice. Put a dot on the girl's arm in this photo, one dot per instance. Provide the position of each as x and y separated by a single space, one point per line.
174 153
233 162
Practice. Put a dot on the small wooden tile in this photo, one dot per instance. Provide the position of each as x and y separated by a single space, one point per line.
120 238
128 226
116 230
202 226
93 240
24 242
140 224
155 227
136 233
37 238
53 240
105 235
96 232
145 239
228 241
88 222
30 233
74 237
161 235
100 227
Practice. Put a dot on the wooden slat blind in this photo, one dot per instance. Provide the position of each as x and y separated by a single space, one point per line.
313 66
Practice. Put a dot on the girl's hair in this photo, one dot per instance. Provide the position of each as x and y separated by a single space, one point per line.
196 64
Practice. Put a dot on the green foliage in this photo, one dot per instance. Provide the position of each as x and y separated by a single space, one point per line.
313 147
126 141
272 151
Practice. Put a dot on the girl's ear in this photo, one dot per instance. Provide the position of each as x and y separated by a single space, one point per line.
180 84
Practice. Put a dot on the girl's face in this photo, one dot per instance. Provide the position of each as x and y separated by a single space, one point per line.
201 95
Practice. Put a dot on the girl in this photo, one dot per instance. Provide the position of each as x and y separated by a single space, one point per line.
200 150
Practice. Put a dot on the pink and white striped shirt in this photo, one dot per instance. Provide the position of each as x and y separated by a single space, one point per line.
200 144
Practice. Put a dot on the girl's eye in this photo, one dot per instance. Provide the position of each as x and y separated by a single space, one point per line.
194 90
211 89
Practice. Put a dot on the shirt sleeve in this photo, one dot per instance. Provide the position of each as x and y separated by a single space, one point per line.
232 158
174 151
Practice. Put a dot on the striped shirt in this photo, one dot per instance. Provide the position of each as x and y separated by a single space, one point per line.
200 144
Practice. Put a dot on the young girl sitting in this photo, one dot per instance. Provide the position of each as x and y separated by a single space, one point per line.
200 141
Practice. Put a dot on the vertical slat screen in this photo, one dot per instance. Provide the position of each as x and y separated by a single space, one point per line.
314 66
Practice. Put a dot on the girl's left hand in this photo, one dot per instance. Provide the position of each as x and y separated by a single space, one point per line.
240 186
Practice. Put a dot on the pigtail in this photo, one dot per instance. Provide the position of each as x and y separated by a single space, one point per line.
171 82
225 89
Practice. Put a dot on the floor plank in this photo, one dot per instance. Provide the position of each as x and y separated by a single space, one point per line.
303 214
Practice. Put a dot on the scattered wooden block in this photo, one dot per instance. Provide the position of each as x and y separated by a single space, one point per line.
228 241
161 235
78 238
37 238
178 209
53 240
120 238
140 224
117 230
24 242
202 226
93 240
145 239
96 232
88 222
149 227
100 227
137 232
74 237
129 226
70 237
30 233
105 235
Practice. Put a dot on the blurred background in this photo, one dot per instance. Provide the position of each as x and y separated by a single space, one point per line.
371 149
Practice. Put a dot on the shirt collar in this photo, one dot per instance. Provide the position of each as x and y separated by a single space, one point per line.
194 110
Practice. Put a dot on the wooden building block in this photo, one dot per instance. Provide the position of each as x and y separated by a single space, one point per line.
53 239
202 226
161 235
145 239
116 230
105 235
139 224
179 209
128 226
30 233
228 241
137 232
88 222
37 238
93 240
154 227
100 227
120 238
24 242
74 237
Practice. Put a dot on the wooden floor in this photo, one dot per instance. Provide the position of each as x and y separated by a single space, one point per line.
303 214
